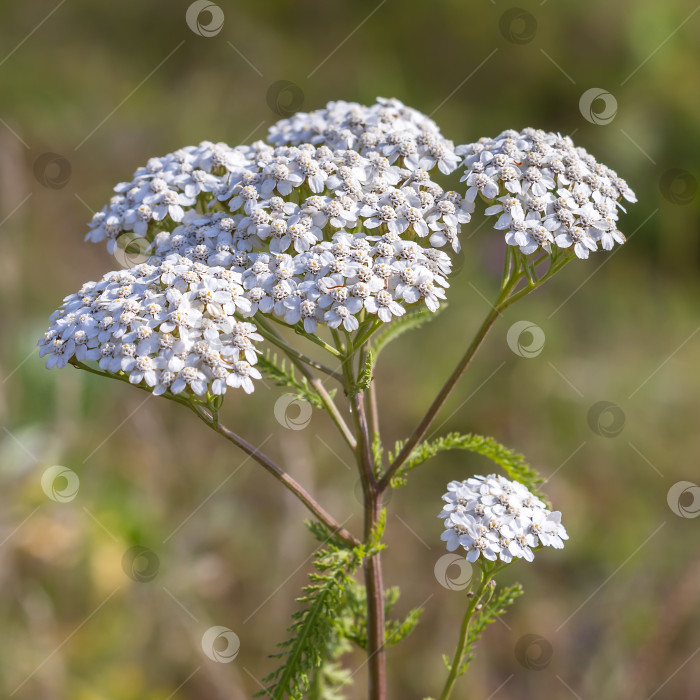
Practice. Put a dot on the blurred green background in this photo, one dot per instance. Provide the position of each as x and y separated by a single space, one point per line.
105 86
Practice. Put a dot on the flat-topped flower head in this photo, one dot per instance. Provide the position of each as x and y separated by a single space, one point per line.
339 224
323 250
545 191
169 327
497 519
388 129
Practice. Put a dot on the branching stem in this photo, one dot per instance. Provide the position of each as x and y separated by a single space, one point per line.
512 276
213 422
210 418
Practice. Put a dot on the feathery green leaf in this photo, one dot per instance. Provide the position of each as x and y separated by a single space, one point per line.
366 376
284 375
319 628
314 628
511 462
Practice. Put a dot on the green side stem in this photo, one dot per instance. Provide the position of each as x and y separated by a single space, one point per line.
485 579
511 279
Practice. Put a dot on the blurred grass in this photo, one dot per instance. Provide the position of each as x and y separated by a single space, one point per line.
238 555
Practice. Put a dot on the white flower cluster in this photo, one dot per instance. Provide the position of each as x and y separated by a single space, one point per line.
494 518
161 191
388 128
338 224
311 235
545 191
169 326
295 222
329 282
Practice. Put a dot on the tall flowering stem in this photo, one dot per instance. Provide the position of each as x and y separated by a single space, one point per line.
332 230
372 566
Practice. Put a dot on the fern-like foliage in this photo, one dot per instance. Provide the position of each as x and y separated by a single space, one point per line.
314 627
377 454
330 679
354 620
283 375
401 325
317 628
366 374
398 630
513 463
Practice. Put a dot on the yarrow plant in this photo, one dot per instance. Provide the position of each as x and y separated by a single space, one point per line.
337 229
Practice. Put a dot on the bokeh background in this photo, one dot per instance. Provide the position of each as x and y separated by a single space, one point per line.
89 92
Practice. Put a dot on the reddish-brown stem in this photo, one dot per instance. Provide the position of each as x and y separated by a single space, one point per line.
280 475
376 656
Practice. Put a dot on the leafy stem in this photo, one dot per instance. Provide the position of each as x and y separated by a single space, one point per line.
372 496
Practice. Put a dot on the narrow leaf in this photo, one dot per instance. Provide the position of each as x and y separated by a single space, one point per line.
511 462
